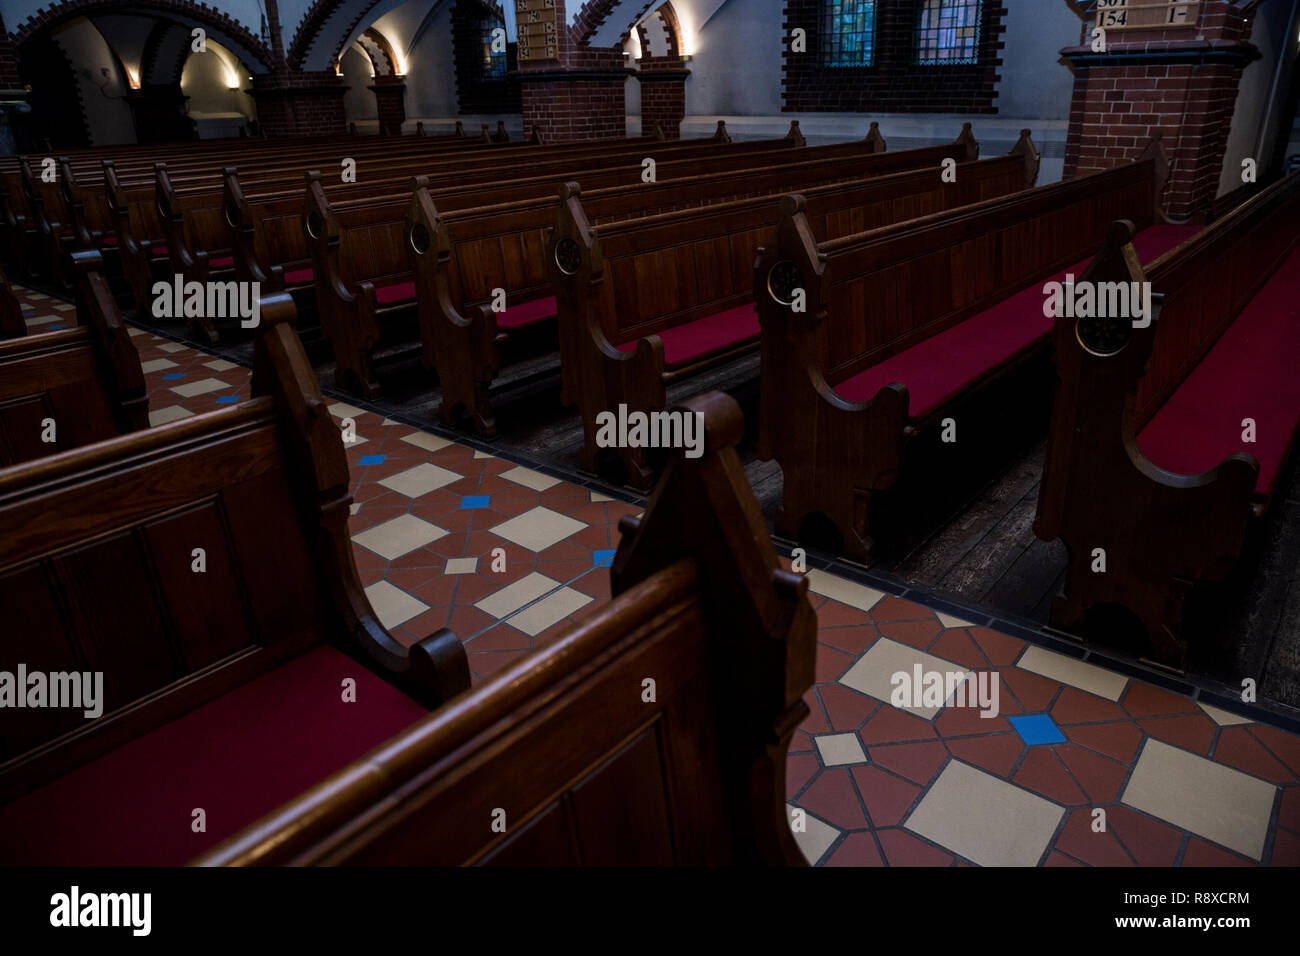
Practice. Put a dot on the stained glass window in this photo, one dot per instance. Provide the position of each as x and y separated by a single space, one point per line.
949 32
849 33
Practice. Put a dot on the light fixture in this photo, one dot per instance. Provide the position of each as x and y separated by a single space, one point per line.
686 58
132 78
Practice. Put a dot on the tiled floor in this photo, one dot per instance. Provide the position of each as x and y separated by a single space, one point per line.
1080 766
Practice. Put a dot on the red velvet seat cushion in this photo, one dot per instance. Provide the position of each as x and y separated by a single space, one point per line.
946 364
300 277
222 262
527 313
392 294
237 757
108 239
159 250
1250 373
707 336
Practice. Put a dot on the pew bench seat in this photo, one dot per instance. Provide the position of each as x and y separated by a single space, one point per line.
396 294
706 337
237 757
295 277
946 365
524 314
110 239
222 262
1249 373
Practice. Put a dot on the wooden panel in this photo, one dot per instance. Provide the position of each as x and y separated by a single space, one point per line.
628 787
20 429
546 840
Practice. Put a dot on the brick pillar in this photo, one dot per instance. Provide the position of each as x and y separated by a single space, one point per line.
576 95
300 104
1181 82
663 94
13 98
390 97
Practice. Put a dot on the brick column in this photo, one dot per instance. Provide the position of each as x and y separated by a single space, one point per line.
663 94
1179 82
13 98
579 94
390 97
300 104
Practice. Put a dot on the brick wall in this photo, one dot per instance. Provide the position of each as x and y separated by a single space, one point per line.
299 104
390 98
663 94
895 83
8 61
1179 83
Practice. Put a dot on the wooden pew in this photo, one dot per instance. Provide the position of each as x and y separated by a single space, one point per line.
12 323
361 256
196 221
1148 457
463 254
87 380
586 765
903 321
224 690
649 301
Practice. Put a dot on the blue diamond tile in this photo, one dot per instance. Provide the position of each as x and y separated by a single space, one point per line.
227 399
602 558
372 459
1037 729
475 501
171 375
53 328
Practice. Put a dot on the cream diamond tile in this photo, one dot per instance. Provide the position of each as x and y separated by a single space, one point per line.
1222 717
344 410
529 478
170 414
202 387
478 455
392 605
420 480
134 332
814 837
354 508
984 818
426 441
847 592
538 528
64 307
514 596
947 620
156 365
1076 673
171 347
840 749
220 365
461 566
597 496
1217 802
44 320
556 606
399 536
874 671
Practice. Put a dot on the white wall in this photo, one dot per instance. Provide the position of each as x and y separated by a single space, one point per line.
1035 83
359 104
735 56
216 108
102 83
431 73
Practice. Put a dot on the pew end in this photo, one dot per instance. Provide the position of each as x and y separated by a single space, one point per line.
874 139
686 763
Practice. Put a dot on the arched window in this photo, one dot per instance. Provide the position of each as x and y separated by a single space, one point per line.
948 32
849 33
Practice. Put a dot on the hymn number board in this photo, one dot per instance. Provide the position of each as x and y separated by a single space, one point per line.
537 24
1148 14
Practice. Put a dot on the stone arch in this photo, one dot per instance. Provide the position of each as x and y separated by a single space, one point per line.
230 33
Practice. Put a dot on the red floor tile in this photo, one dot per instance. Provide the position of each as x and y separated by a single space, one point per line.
1077 707
1237 747
1143 700
1194 732
997 754
1150 842
1000 649
891 725
917 762
1100 777
1119 740
887 797
1045 775
858 849
903 849
831 797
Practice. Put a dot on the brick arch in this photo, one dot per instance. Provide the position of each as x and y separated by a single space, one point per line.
324 29
380 52
229 32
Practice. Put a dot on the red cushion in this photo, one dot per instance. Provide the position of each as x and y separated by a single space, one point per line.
399 292
109 239
706 336
238 758
223 262
159 250
526 314
946 364
1250 373
299 277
